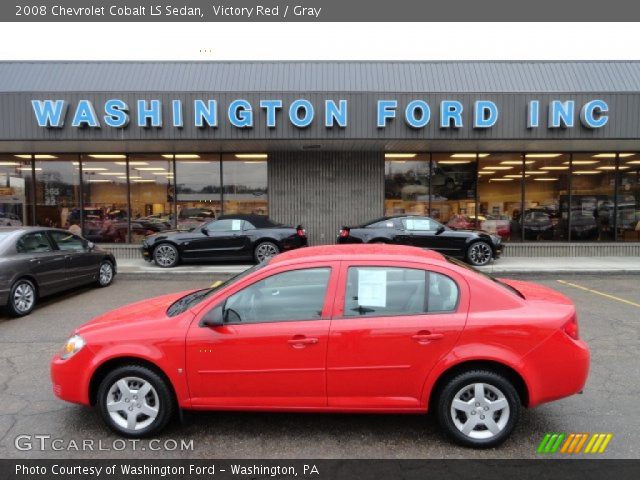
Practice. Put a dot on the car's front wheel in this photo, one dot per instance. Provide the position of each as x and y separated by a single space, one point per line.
265 251
166 255
479 253
478 408
22 298
105 274
135 401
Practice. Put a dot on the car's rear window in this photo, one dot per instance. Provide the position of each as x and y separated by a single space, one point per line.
485 275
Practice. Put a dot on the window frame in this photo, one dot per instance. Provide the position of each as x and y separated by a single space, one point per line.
462 303
327 302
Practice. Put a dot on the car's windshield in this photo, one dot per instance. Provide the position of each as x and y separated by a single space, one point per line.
486 275
4 235
184 303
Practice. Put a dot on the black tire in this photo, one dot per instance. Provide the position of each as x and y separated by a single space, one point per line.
492 383
265 250
22 298
479 253
161 394
106 273
166 255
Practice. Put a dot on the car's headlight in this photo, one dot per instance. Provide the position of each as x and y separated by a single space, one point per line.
73 346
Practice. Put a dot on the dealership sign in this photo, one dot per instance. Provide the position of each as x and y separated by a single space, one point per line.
301 113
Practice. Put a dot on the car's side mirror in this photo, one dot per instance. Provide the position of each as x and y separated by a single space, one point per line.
439 230
213 318
90 246
205 231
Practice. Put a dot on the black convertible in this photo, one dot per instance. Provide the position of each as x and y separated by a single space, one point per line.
229 237
474 246
37 261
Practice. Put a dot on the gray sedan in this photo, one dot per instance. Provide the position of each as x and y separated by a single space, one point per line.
36 262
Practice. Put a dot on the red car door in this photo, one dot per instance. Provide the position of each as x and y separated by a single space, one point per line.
271 351
391 325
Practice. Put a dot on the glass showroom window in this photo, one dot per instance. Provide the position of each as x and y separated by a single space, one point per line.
104 191
629 198
198 189
15 190
57 190
152 194
406 183
453 189
546 197
500 194
592 197
244 180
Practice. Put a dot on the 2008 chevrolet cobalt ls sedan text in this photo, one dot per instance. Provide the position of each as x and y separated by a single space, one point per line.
343 328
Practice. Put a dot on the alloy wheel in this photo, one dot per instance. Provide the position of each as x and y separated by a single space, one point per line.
106 273
480 411
480 253
132 403
165 255
266 251
24 297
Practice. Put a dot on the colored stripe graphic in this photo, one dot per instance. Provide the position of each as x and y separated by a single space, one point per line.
572 443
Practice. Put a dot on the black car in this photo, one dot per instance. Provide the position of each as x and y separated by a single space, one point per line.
474 246
248 237
36 262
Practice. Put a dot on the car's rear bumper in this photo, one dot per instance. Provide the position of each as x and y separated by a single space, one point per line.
558 368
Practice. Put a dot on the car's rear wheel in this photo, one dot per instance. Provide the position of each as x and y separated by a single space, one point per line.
265 251
105 274
479 253
22 298
135 401
478 408
166 255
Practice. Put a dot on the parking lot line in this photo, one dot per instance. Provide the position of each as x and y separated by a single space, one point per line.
596 292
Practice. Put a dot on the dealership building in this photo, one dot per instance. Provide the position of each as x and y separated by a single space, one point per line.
544 154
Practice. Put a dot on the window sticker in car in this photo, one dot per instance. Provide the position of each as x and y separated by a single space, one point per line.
372 288
236 225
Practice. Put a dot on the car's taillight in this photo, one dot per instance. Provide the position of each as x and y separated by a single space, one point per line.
301 232
571 328
344 232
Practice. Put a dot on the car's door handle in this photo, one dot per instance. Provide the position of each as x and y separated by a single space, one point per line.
299 341
426 337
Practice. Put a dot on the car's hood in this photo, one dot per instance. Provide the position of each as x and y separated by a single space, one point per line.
144 311
534 291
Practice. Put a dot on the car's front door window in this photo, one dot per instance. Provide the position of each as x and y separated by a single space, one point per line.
288 296
68 242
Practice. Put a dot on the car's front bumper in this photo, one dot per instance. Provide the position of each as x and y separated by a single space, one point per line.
147 253
69 378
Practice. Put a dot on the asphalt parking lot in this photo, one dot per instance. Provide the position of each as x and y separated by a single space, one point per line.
609 308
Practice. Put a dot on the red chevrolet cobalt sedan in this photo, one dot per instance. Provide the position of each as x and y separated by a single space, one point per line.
342 328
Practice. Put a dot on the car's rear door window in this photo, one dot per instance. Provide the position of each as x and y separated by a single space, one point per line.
36 242
386 291
287 296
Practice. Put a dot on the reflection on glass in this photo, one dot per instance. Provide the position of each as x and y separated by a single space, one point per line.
244 179
152 193
406 184
629 198
453 185
57 191
104 183
592 202
198 189
15 189
500 194
546 197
